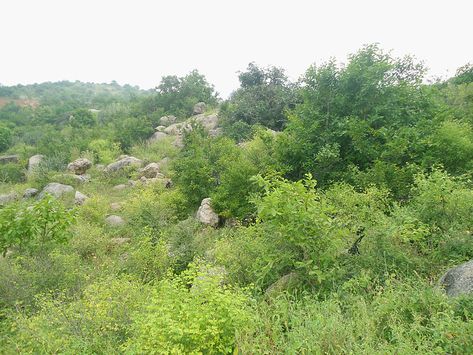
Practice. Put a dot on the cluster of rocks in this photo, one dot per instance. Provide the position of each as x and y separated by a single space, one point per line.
149 174
168 125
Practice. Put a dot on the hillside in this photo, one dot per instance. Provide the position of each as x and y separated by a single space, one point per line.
331 215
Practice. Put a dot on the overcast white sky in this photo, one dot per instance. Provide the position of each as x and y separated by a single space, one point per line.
138 41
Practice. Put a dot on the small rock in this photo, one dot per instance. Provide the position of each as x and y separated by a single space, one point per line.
199 108
57 190
79 166
100 167
79 178
5 159
160 128
149 171
285 283
30 192
80 198
114 221
205 213
178 128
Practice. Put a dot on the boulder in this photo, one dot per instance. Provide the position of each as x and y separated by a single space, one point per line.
205 213
30 192
167 120
7 198
160 128
114 221
123 162
458 280
80 198
34 162
81 178
209 122
79 166
199 108
5 159
157 136
149 171
57 190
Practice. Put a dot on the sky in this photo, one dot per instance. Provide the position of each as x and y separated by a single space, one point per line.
138 41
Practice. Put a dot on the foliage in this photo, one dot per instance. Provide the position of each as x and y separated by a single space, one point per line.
5 138
190 314
36 227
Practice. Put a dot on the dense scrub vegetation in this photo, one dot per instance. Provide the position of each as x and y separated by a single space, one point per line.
342 198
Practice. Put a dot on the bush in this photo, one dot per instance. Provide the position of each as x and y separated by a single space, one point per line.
37 227
12 173
190 314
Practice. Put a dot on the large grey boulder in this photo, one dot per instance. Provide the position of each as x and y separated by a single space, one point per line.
123 163
114 221
157 136
205 213
5 159
56 190
459 280
167 120
199 108
79 166
34 162
30 192
7 198
150 171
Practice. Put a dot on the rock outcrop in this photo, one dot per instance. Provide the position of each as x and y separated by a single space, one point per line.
458 280
56 190
205 213
79 166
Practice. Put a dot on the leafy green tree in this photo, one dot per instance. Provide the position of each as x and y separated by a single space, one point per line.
263 97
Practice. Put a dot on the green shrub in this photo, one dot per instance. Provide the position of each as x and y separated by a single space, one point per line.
12 173
37 227
190 314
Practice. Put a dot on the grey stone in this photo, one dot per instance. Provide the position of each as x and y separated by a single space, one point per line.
285 283
458 280
119 241
115 206
157 136
167 120
79 166
80 198
199 108
205 213
122 163
56 190
149 171
114 221
7 198
34 162
30 192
